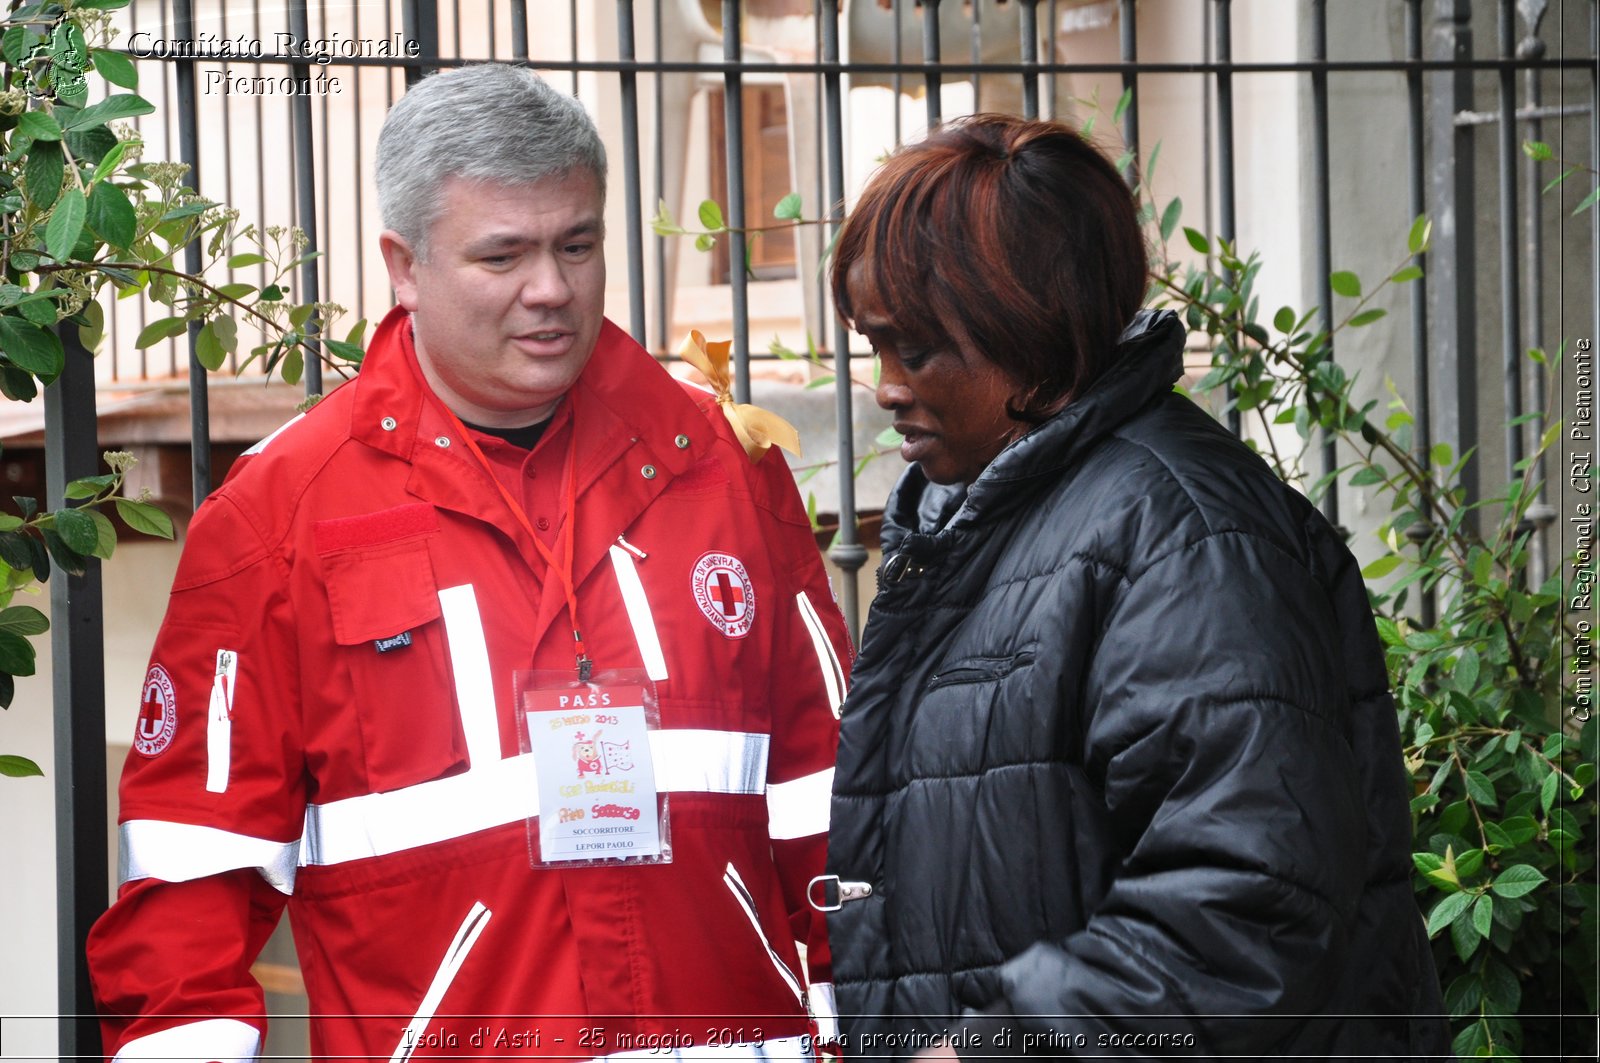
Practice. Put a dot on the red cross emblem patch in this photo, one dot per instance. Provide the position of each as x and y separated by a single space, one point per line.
724 593
158 713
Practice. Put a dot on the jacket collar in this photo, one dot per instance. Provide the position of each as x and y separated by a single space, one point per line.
627 413
1148 361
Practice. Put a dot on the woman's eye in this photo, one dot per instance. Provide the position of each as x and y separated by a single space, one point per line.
914 358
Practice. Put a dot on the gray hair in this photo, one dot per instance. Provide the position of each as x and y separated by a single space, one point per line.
485 122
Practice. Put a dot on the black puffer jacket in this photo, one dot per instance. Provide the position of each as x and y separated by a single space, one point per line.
1120 762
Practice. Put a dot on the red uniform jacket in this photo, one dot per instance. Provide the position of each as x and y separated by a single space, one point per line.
327 724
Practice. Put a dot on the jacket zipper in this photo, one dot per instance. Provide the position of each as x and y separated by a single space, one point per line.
467 936
219 722
736 886
978 673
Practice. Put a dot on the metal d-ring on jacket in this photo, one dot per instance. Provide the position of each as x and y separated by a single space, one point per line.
1119 773
328 724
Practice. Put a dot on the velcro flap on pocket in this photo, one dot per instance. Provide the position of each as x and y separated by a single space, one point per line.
379 574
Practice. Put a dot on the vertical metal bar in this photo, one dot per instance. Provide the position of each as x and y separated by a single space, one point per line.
455 29
846 551
519 30
305 182
1130 83
189 153
77 641
931 78
489 13
1594 160
1422 407
572 40
1510 297
975 49
227 150
420 22
663 311
1222 34
1453 343
1029 45
1540 512
630 171
1052 28
1322 225
897 53
738 244
360 214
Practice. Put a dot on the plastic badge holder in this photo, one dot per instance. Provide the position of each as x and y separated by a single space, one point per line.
599 803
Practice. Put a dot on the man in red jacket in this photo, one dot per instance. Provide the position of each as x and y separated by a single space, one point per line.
511 535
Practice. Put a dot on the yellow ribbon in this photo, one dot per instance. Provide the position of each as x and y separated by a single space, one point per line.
756 428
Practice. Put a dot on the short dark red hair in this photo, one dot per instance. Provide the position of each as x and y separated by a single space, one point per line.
1020 231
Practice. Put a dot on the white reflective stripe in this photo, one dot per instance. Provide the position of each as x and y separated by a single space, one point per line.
715 762
222 1040
181 852
262 445
477 918
827 660
778 1048
504 791
219 722
824 1010
747 904
799 808
639 615
469 660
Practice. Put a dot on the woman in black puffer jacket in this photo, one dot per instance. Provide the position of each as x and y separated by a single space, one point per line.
1120 773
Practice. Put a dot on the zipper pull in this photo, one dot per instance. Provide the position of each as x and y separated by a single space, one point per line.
634 550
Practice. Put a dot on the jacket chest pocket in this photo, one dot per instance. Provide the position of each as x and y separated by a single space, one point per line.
390 639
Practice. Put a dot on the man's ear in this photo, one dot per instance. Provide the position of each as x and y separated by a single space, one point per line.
401 260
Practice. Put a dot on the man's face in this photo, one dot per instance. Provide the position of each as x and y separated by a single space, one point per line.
507 304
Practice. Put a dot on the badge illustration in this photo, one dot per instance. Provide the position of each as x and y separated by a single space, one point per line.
724 593
158 713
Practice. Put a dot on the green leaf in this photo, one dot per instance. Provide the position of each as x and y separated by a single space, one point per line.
111 216
188 210
106 534
23 620
1537 150
89 486
115 67
66 222
1445 912
226 330
144 517
350 352
38 125
1283 320
1483 914
1547 791
14 43
1421 232
31 348
1406 275
1197 240
248 258
788 208
1170 216
711 215
15 767
235 291
17 655
704 242
1367 317
1381 567
1372 474
1122 104
889 438
77 531
1466 670
1587 202
208 350
1480 789
163 329
108 165
1346 284
1519 879
110 109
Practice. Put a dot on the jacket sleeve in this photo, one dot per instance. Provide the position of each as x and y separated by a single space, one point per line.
810 666
1219 735
212 803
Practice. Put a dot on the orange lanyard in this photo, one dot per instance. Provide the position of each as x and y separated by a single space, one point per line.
563 569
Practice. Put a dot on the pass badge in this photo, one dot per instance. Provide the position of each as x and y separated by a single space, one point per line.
598 801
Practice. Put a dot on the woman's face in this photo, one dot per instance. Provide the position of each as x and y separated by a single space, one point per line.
948 401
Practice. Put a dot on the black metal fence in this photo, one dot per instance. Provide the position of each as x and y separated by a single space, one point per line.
1476 78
